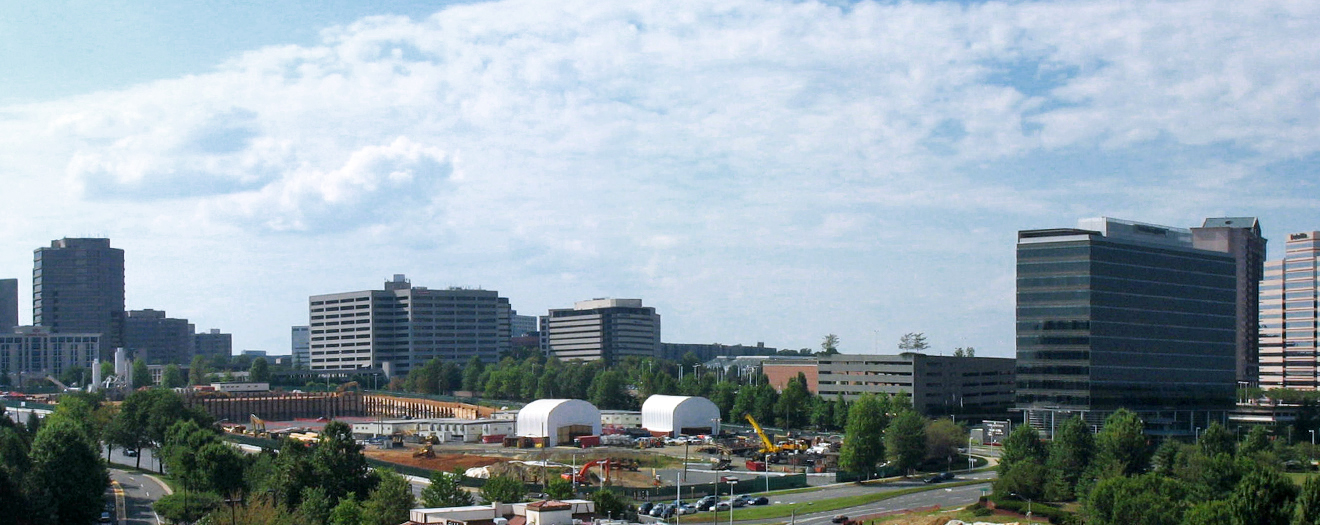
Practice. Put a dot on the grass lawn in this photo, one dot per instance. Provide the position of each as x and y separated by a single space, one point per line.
1298 477
825 505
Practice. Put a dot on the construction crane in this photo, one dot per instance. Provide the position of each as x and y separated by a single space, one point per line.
767 446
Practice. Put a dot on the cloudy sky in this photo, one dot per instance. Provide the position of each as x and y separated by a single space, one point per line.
757 170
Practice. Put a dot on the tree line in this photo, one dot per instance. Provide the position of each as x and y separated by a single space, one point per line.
1119 475
50 470
887 429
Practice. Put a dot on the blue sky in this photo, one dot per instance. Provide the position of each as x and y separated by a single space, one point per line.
757 170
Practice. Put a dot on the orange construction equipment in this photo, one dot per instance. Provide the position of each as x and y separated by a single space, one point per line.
581 475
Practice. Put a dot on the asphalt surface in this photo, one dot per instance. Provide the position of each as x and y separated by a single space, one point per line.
139 492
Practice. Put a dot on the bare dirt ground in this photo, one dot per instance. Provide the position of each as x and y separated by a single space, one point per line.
444 462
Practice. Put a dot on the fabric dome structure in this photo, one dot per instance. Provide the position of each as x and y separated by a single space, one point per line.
675 415
558 421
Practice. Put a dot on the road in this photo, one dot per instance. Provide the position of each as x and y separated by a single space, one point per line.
139 492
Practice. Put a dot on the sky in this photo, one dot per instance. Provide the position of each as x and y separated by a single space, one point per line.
757 170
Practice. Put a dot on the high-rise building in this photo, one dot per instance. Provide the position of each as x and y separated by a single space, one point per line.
78 287
404 326
213 343
522 324
602 329
1241 238
31 352
1289 308
8 305
939 385
157 339
1119 314
301 346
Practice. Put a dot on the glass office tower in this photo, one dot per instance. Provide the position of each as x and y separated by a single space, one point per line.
1119 314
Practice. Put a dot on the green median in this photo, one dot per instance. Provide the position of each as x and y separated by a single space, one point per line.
824 505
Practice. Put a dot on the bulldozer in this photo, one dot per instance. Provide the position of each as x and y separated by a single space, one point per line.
424 452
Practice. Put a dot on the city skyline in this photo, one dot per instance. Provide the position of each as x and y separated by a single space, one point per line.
755 170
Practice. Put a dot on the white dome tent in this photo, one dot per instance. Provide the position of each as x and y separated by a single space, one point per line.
675 415
558 421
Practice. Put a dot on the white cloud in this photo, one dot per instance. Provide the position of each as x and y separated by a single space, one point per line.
657 146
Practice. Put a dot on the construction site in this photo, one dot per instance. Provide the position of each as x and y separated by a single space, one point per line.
678 443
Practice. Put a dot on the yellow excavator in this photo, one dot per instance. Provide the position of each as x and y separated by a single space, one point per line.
767 446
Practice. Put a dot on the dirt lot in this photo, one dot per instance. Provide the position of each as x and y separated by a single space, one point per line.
444 462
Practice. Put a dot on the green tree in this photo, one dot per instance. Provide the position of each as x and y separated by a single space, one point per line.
609 391
337 462
389 502
472 374
964 352
905 440
1069 456
141 374
913 342
558 488
259 372
1148 499
181 507
1027 479
862 445
1216 440
446 491
829 345
503 489
1121 445
609 503
1214 512
172 377
1022 448
197 371
841 408
107 369
76 376
220 469
67 478
1263 497
793 402
944 438
315 507
1308 503
1257 441
822 413
347 512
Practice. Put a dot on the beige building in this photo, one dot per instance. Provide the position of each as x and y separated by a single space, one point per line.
32 351
939 385
601 329
1289 357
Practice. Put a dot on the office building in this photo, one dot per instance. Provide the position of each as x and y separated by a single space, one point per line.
706 352
30 352
1289 357
301 339
1241 238
213 343
1120 314
602 330
78 287
522 325
403 326
156 339
8 305
965 387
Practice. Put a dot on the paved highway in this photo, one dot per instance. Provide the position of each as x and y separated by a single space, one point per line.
138 492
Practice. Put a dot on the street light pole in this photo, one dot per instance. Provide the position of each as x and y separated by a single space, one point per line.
732 485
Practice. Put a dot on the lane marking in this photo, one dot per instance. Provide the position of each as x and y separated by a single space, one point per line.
121 513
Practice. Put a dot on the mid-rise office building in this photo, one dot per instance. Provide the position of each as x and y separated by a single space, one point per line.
78 287
29 352
1119 314
213 343
602 329
301 342
522 325
706 352
1289 304
8 305
159 340
403 326
970 387
1241 238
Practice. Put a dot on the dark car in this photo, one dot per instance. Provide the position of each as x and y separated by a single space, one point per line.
106 517
132 453
657 511
761 501
838 518
646 508
947 476
935 479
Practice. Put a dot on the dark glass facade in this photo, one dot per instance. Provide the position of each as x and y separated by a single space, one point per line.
1104 323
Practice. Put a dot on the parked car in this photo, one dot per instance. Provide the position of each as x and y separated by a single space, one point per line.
723 505
707 503
646 508
106 517
687 508
132 453
761 501
741 500
657 511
